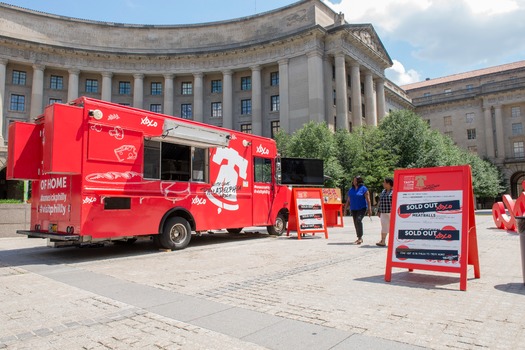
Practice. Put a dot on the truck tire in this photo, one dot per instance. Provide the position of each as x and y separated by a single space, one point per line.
234 230
175 235
279 227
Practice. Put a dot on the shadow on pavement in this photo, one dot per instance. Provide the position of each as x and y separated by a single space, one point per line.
416 280
43 255
516 288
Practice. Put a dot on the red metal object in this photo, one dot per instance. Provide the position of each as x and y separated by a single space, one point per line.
102 171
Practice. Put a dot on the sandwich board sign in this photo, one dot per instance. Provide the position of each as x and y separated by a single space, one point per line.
307 214
432 224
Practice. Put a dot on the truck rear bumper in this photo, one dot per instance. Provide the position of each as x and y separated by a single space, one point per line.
51 236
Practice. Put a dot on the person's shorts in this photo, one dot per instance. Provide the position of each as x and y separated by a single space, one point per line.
385 222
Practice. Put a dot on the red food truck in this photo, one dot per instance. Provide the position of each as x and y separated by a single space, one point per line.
106 172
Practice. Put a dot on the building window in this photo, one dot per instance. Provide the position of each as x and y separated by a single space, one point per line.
91 85
515 112
471 134
333 72
274 78
156 88
124 88
19 77
246 106
246 83
155 107
275 103
334 98
362 88
216 86
469 118
517 129
349 104
216 109
448 134
55 100
448 91
469 86
185 111
426 94
187 88
247 128
519 151
18 103
57 82
447 121
473 149
124 104
275 126
349 81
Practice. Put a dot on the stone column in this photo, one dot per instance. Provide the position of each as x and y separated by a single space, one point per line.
284 105
106 86
328 109
370 101
37 91
198 97
227 100
138 91
3 69
315 86
168 94
499 133
341 99
356 96
489 138
72 85
380 96
256 101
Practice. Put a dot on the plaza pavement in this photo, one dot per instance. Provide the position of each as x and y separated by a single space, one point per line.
253 291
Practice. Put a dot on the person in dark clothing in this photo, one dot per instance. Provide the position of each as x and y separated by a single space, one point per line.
383 209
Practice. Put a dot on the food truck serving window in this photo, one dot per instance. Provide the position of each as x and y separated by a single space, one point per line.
262 170
171 161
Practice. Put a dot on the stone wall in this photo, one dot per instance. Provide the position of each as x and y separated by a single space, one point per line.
14 217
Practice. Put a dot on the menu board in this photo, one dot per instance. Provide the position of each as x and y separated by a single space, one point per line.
307 212
433 224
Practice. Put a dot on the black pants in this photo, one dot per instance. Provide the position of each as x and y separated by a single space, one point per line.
358 216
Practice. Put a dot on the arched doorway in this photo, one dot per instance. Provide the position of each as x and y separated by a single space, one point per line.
515 184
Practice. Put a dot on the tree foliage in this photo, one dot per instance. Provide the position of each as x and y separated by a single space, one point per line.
402 140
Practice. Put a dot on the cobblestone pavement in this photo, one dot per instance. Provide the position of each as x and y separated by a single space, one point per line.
253 291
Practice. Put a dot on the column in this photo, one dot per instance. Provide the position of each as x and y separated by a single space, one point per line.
106 86
341 99
499 133
256 101
356 95
327 87
370 101
315 86
168 94
72 86
489 138
284 108
380 96
3 69
37 91
198 98
227 99
138 91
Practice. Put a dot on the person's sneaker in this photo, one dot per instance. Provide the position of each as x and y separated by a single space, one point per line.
359 241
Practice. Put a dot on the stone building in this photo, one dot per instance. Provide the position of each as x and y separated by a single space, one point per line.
258 74
482 111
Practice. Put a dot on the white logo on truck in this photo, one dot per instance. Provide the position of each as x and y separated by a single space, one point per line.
223 192
148 122
262 150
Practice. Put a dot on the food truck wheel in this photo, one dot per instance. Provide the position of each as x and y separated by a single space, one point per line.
234 230
279 227
176 233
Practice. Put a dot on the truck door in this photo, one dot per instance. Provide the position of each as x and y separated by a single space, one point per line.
262 190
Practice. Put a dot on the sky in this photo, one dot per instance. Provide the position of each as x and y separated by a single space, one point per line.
424 38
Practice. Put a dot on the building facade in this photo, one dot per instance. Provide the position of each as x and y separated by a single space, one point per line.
258 74
482 111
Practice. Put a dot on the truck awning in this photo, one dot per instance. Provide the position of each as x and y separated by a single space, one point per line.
194 135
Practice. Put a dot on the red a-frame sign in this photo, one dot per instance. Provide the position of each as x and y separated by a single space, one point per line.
307 214
432 223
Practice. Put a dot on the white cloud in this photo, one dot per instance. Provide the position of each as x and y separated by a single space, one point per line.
400 76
